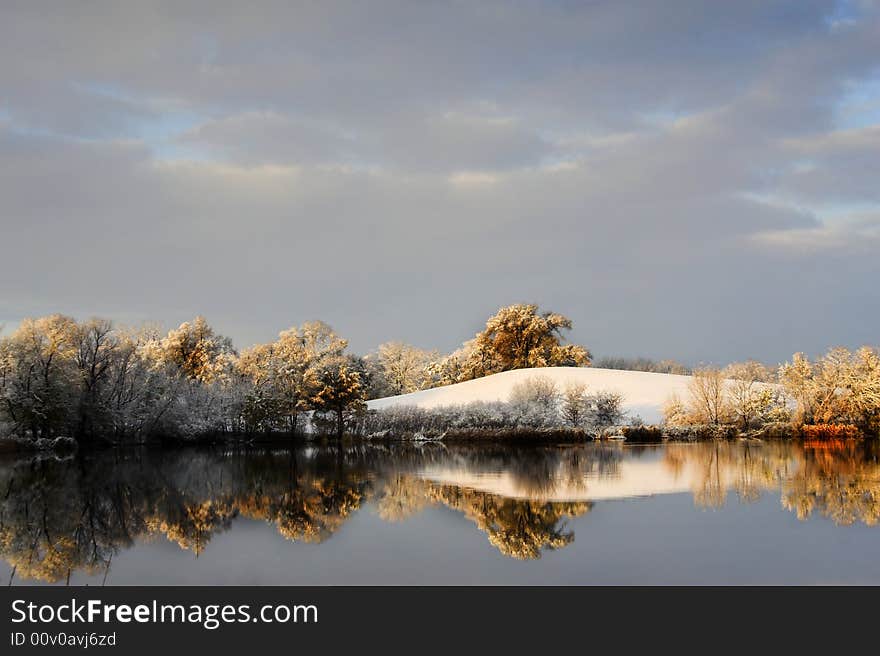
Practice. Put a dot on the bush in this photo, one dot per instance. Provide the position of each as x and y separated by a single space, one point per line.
695 432
642 434
776 430
830 432
604 409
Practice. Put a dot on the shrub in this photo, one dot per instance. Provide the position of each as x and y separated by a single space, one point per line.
604 409
693 432
642 434
830 432
776 430
538 390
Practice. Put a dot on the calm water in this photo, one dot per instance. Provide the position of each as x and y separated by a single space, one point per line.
689 514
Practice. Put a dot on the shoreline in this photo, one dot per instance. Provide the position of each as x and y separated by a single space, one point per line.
496 437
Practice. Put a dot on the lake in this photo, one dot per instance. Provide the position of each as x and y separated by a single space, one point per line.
706 513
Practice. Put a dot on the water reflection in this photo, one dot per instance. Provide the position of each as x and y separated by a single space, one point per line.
58 517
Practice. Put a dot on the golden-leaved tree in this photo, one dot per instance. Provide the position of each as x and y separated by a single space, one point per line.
282 373
841 386
516 337
200 353
337 388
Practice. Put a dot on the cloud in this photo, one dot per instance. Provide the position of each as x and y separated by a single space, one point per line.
674 179
271 138
856 235
408 142
834 167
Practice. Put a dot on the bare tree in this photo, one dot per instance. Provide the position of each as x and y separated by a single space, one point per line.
539 390
707 395
574 403
748 396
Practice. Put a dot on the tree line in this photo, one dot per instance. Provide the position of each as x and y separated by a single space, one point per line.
837 390
96 380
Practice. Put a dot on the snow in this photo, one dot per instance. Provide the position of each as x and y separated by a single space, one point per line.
644 393
630 479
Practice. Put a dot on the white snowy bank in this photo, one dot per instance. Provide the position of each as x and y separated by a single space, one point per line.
644 393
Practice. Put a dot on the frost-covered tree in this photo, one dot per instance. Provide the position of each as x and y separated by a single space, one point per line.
839 387
798 380
675 412
299 351
336 387
264 405
708 402
466 363
749 398
643 364
863 382
402 368
197 350
97 349
280 374
574 404
140 388
535 401
518 337
603 409
38 376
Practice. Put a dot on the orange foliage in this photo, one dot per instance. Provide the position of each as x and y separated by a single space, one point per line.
825 432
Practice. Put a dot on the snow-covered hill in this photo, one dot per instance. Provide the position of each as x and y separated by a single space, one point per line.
644 394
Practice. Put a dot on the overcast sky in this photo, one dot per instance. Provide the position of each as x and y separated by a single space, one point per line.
686 179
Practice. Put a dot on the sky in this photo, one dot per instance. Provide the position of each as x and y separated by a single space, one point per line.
689 180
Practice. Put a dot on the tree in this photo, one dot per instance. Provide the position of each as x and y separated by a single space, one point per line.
38 375
403 368
264 403
538 390
863 382
534 402
840 387
604 409
97 348
798 381
517 337
574 403
141 388
749 397
197 351
643 364
279 373
830 382
298 352
707 395
675 412
336 386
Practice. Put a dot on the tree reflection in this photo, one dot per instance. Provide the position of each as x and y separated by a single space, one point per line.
58 517
840 481
842 484
518 528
